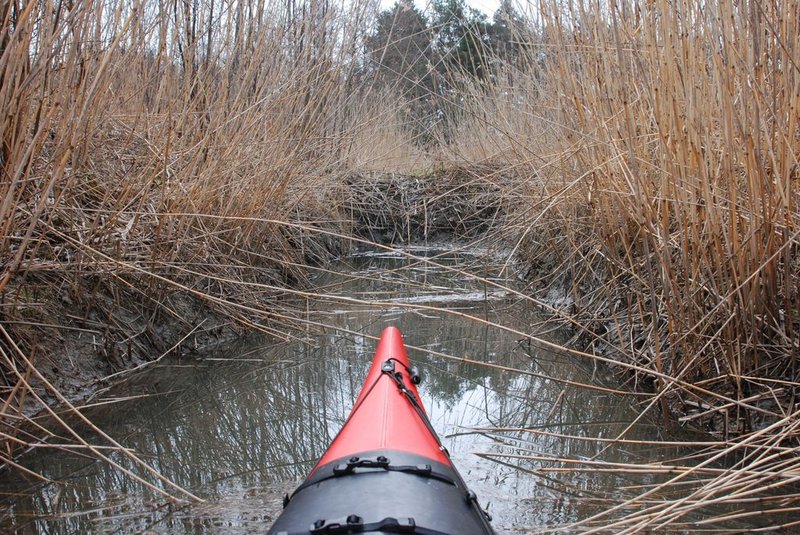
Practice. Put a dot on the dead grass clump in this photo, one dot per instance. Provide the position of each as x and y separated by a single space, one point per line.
452 202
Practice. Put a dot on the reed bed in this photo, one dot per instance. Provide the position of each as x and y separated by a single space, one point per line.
666 138
661 142
154 156
642 156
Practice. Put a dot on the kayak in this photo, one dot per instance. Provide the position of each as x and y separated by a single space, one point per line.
386 471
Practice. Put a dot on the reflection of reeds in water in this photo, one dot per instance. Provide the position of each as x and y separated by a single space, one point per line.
238 427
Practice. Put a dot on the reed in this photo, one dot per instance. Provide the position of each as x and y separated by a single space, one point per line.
120 125
661 142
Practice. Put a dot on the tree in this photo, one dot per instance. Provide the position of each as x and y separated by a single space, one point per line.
507 33
461 37
400 52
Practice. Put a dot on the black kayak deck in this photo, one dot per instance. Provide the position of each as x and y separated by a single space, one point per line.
382 492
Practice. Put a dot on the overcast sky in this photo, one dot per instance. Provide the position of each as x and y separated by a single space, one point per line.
487 6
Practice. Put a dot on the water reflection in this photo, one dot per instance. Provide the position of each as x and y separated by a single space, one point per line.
243 431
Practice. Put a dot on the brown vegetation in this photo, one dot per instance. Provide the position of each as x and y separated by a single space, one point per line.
662 144
153 155
156 155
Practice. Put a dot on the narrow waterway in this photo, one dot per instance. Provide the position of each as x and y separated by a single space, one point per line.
242 427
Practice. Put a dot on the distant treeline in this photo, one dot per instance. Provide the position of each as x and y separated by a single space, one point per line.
428 58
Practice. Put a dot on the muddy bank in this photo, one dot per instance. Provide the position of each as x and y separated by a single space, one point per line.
609 310
80 328
81 324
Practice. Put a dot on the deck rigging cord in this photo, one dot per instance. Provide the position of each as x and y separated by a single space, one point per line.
360 464
388 368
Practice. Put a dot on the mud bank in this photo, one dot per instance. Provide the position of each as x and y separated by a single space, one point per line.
607 311
85 324
82 330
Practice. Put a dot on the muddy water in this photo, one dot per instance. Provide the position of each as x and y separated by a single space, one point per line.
242 427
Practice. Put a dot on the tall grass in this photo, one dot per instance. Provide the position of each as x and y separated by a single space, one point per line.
154 110
153 149
669 132
662 141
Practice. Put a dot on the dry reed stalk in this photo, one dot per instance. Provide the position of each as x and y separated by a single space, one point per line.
661 140
115 116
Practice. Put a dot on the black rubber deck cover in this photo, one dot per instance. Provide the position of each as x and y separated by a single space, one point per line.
366 495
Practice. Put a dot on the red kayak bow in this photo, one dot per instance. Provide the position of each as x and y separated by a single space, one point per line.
386 471
383 418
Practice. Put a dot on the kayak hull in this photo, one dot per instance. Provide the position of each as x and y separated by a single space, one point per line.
386 471
381 418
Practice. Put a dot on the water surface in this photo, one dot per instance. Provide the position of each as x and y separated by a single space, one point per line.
243 427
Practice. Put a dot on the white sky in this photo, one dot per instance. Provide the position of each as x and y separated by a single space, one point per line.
486 6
